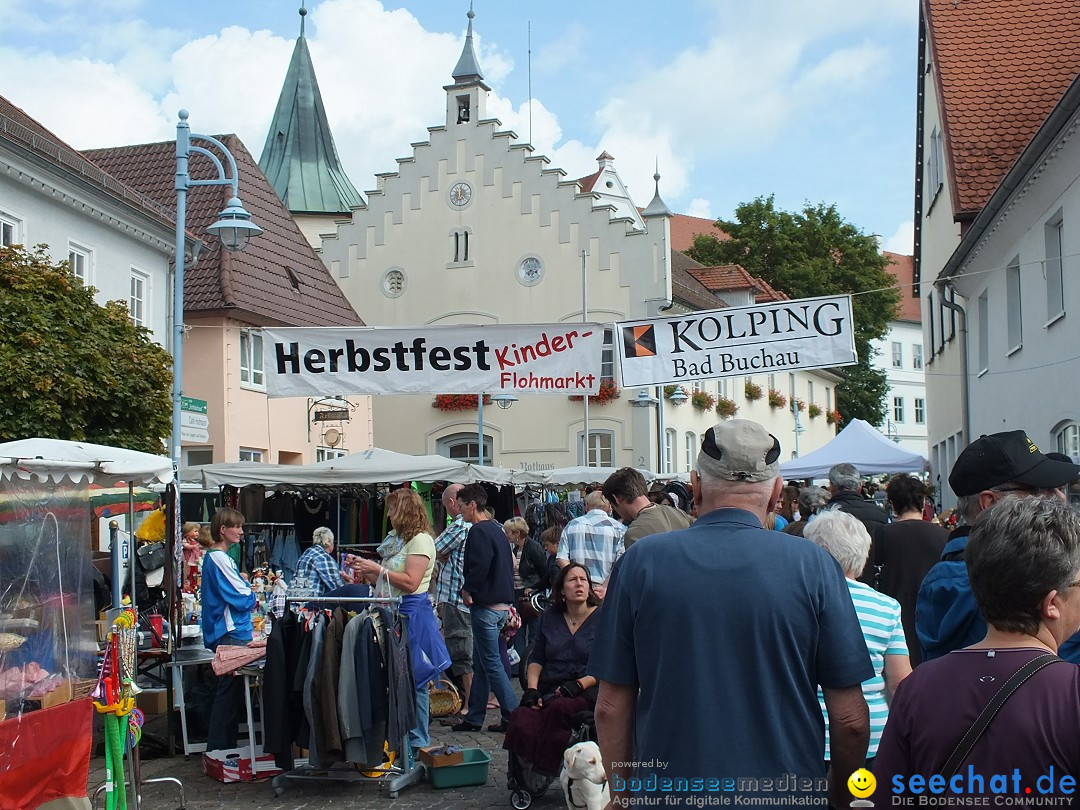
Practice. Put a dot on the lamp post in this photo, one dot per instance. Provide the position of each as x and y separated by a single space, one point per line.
233 227
504 401
645 400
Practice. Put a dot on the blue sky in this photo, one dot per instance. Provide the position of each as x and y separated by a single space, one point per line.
735 98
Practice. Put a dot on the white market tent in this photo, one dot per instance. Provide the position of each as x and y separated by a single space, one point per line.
374 466
860 444
581 475
54 459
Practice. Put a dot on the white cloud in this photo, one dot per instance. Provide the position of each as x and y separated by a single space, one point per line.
699 208
903 241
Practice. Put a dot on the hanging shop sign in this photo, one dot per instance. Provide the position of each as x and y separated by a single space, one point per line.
737 341
524 358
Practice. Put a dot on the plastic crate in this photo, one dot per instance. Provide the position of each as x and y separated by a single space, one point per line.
473 771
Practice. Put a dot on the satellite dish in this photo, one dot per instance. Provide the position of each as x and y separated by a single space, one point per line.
332 437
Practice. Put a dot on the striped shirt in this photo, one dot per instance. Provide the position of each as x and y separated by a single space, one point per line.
595 540
879 617
451 577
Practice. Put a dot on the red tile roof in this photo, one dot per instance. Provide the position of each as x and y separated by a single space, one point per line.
254 284
902 268
1001 66
768 292
587 183
685 228
686 287
730 277
19 128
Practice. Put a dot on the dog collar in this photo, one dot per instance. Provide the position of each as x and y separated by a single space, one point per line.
570 789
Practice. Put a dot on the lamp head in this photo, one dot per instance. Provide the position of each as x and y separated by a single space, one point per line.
678 396
234 226
504 401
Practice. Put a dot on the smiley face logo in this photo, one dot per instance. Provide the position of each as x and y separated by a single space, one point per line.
862 783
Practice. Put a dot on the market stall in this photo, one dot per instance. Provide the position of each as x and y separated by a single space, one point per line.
48 639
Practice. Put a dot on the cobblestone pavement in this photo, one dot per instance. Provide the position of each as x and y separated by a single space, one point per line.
204 793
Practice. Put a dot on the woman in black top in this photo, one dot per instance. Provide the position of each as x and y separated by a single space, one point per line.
558 688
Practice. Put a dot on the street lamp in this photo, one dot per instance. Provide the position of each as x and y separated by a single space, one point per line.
504 401
233 227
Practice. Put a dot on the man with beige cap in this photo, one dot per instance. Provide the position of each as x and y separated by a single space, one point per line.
712 644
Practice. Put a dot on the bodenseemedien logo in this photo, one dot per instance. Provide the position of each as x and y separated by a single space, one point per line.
862 785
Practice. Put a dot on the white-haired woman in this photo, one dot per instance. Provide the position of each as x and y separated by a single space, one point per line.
317 566
846 539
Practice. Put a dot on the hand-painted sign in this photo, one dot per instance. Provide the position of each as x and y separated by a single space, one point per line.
778 336
526 358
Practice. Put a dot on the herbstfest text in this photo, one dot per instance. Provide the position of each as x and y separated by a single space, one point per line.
526 358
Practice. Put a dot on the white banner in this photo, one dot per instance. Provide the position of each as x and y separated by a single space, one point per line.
737 341
526 359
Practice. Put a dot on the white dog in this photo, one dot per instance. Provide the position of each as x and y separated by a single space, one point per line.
584 781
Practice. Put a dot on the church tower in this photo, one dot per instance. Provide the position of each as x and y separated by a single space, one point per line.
299 157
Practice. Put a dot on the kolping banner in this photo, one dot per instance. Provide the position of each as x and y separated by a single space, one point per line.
778 336
525 358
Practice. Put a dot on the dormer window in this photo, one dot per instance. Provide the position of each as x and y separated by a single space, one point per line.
463 109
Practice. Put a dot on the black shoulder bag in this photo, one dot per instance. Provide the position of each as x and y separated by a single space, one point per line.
967 742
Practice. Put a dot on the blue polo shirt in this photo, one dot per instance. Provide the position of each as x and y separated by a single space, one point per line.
727 629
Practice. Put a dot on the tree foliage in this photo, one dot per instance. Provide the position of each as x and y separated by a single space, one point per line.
71 369
809 253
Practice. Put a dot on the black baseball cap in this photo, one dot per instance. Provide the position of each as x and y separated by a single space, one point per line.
1009 457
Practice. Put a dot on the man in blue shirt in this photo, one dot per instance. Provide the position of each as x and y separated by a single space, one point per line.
990 468
714 639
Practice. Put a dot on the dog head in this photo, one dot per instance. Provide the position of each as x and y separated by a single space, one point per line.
583 761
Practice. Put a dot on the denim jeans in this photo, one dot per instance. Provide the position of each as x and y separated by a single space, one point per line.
228 703
418 735
488 673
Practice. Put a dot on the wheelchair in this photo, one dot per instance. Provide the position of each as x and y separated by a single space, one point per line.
525 782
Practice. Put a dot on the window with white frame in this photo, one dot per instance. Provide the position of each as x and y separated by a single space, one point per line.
920 411
898 409
935 165
463 447
1012 305
810 391
79 261
1055 285
327 453
772 382
931 324
251 454
607 357
1068 440
137 299
251 359
897 354
983 307
460 241
199 455
691 450
669 450
828 400
916 356
601 449
10 230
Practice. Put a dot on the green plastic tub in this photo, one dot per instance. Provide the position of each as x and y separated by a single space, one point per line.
473 771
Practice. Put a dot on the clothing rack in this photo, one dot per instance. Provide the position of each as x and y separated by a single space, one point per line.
395 777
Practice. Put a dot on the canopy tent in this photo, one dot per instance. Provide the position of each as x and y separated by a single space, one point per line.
55 459
567 476
860 444
374 466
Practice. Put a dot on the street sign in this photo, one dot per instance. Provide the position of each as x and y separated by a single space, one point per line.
189 419
192 405
194 435
331 415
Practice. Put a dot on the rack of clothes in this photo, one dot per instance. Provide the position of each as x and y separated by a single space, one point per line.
338 683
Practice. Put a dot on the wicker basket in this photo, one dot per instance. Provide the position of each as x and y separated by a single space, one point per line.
444 699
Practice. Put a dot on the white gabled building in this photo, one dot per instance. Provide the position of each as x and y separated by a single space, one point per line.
474 227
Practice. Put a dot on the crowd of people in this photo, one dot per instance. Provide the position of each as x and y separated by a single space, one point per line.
740 627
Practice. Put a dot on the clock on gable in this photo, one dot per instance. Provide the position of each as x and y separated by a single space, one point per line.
461 194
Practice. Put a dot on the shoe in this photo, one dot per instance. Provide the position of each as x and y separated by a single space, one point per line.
464 725
499 728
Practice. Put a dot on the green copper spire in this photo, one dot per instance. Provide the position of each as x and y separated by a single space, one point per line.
299 157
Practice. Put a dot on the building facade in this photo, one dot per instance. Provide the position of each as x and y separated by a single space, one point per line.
991 219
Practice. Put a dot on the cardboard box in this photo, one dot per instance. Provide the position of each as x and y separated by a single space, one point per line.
68 691
432 759
152 701
234 765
